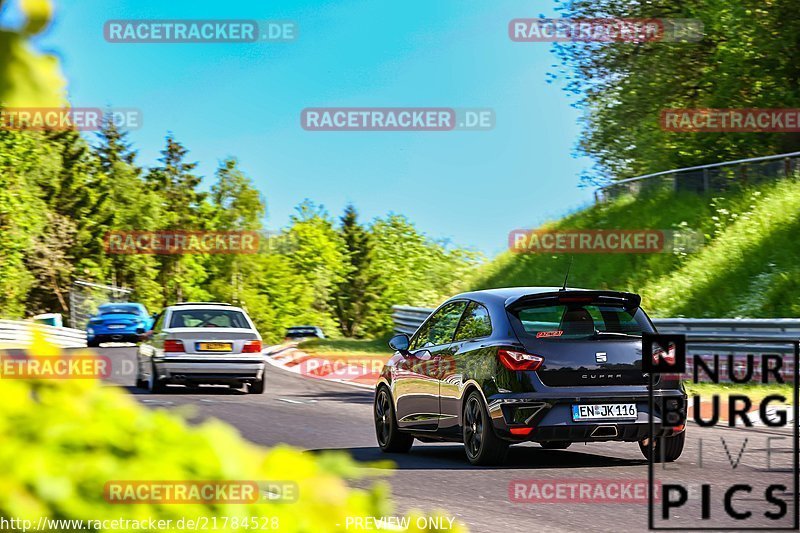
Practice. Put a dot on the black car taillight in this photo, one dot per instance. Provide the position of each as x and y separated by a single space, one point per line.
514 360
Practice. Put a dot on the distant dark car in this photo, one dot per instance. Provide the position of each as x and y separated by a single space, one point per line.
304 332
497 367
118 322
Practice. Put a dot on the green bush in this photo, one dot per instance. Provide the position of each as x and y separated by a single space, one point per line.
63 440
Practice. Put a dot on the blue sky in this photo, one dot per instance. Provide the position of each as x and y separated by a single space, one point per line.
245 100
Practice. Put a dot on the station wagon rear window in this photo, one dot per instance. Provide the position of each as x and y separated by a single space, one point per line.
208 318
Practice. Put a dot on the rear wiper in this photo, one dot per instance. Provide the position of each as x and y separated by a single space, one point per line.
598 333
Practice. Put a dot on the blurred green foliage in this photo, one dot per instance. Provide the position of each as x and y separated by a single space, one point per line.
63 440
29 78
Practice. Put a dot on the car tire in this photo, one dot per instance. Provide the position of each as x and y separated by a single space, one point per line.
390 438
256 387
556 444
154 385
667 449
93 343
483 447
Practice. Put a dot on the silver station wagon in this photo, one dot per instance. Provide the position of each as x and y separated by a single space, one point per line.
201 343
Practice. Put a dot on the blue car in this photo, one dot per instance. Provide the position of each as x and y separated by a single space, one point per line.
118 322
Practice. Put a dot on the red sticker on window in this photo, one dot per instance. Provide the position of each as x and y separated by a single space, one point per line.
556 333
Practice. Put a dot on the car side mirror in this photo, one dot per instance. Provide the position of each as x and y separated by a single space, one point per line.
400 343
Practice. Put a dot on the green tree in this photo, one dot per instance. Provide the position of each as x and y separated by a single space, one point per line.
314 253
114 147
184 208
136 208
358 291
238 206
415 270
747 58
22 215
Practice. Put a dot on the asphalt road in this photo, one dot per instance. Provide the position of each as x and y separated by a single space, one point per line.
315 415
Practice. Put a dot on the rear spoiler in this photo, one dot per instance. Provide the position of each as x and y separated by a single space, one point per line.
628 300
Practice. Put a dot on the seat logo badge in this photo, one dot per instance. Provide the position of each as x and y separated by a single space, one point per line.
601 357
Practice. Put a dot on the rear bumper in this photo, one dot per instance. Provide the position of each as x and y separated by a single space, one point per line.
193 368
115 336
543 418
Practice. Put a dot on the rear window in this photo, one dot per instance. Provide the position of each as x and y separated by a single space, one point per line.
119 309
208 318
576 321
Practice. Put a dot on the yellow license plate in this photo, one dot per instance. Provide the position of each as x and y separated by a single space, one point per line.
215 346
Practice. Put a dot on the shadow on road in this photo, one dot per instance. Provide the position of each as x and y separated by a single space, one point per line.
452 457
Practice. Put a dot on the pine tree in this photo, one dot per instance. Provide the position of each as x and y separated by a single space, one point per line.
135 209
176 185
185 209
114 147
359 290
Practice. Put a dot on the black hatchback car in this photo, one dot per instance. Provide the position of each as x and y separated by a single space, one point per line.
555 366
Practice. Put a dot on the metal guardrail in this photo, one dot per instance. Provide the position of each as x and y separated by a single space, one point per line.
408 319
19 334
705 178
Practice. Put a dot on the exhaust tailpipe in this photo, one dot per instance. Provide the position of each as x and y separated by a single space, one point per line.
609 431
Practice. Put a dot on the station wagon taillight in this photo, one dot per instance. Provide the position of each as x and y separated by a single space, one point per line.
514 360
173 346
252 347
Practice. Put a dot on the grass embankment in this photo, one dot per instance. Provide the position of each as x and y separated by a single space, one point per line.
749 266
